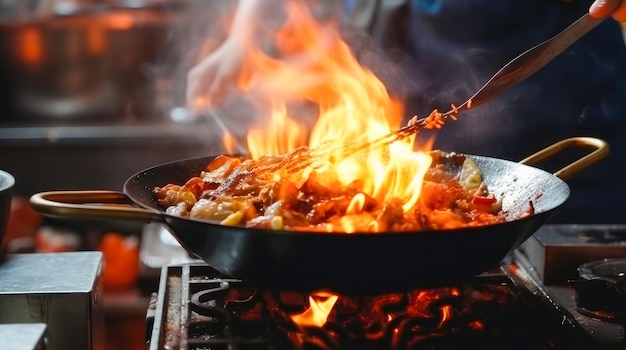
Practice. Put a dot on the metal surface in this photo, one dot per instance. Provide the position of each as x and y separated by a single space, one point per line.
61 290
163 314
159 248
196 307
552 258
556 251
340 262
23 336
562 297
7 181
82 65
601 289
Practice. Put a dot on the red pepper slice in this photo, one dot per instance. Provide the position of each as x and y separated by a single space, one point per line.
484 200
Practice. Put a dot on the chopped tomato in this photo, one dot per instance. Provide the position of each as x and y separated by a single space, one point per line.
484 200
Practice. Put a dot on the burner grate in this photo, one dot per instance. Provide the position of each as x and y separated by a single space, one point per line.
199 309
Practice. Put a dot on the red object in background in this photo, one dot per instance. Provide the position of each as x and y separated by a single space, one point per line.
23 220
121 260
23 224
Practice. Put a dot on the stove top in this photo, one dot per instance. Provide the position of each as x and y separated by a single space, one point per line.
509 307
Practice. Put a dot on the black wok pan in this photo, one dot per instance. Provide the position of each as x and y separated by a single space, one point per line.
344 263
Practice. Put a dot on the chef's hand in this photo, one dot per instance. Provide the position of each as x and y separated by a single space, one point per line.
209 81
603 8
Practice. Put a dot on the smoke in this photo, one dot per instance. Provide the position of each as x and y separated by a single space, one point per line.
376 35
198 29
205 27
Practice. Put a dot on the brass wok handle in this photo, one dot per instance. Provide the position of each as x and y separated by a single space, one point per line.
565 173
111 205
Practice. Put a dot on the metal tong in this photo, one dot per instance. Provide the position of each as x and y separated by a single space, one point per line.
514 72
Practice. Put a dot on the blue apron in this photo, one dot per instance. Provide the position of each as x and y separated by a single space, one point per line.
452 47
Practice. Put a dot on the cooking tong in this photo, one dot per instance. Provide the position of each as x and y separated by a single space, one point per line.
514 72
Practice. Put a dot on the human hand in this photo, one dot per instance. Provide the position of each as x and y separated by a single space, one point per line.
209 82
614 8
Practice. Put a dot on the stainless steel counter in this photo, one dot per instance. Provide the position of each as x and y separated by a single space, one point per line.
23 336
556 251
61 290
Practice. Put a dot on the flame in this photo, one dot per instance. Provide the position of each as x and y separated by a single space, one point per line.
312 63
283 135
320 306
446 313
229 142
477 325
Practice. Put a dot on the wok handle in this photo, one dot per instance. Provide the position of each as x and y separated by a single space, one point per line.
91 205
601 150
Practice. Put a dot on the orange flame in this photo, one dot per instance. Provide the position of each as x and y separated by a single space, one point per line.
283 135
446 312
312 63
320 306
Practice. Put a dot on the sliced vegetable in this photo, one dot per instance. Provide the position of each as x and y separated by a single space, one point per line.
470 177
484 200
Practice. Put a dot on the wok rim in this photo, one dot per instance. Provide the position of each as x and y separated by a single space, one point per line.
129 183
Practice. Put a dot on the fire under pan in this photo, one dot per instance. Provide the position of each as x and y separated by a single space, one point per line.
196 308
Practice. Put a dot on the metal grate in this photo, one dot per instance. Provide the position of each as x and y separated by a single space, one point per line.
196 309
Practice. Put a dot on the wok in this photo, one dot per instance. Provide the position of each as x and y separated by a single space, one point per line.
356 263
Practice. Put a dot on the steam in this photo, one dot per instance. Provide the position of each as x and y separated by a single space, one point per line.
207 25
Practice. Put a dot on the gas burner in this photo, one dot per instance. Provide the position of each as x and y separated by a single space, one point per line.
197 308
559 263
601 289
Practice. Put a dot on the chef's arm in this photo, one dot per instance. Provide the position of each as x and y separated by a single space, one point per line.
209 81
248 17
603 8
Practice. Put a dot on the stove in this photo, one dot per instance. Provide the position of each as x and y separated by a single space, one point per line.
508 307
58 295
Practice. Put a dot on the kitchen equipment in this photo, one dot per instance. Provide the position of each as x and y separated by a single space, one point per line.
62 290
528 62
6 190
341 262
570 250
24 336
513 73
601 289
504 308
88 62
556 251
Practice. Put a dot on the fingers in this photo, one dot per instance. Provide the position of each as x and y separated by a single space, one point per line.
620 14
604 8
206 86
197 89
218 90
209 82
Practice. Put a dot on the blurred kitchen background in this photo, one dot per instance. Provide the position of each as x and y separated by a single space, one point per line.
91 92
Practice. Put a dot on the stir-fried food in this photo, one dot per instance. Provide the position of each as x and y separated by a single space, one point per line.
238 191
